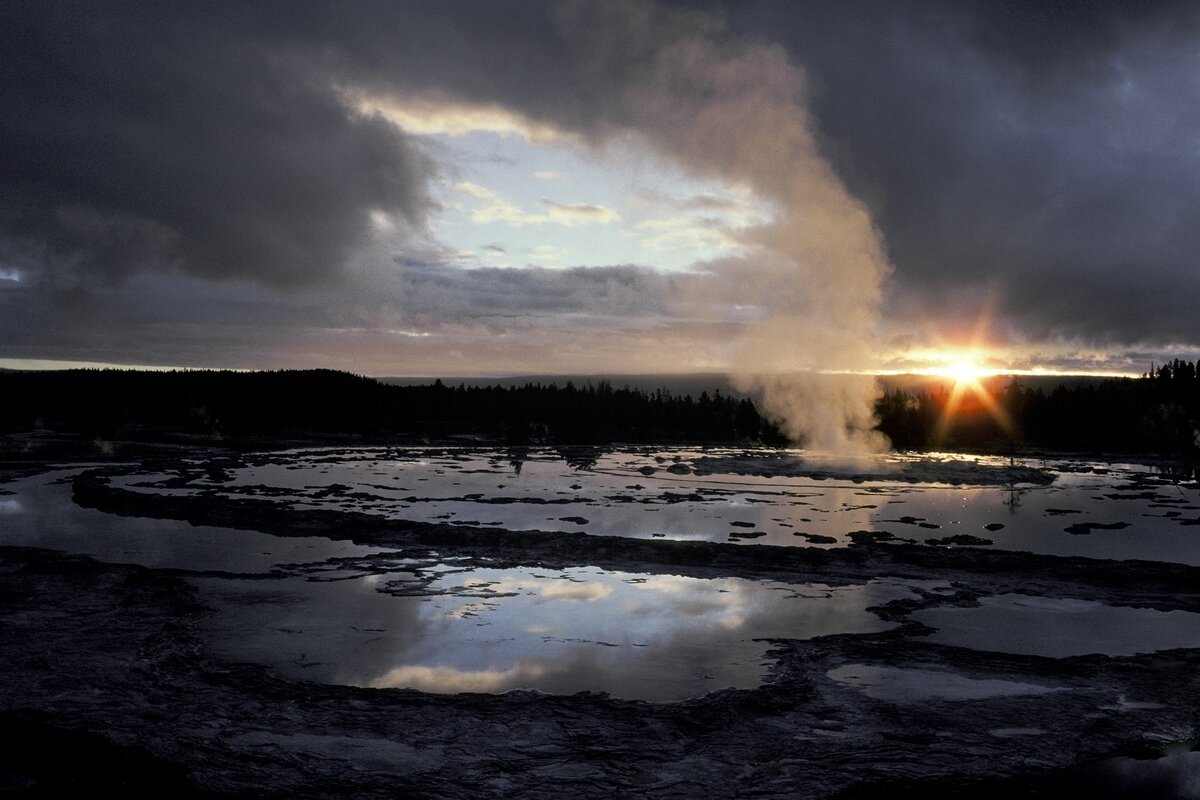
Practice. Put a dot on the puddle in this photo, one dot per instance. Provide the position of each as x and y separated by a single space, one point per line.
41 513
901 685
1014 623
648 637
359 615
352 615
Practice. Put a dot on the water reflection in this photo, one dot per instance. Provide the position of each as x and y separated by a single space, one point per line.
41 513
581 457
1014 623
906 685
1125 511
445 680
517 456
358 615
659 637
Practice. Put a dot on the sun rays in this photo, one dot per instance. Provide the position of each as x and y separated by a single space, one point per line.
965 372
969 387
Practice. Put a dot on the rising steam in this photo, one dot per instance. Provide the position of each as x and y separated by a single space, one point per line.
813 275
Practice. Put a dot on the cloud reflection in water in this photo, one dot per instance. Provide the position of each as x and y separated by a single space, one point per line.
658 637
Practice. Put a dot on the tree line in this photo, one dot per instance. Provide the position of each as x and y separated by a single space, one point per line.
228 405
1158 412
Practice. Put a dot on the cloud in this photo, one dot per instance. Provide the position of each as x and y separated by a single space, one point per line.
165 139
281 149
1016 153
439 291
688 234
704 202
493 207
431 114
476 191
1000 155
471 320
547 252
578 213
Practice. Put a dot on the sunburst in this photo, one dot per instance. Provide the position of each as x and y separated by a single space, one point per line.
965 372
968 376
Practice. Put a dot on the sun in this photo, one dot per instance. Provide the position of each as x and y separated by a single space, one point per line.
965 372
969 389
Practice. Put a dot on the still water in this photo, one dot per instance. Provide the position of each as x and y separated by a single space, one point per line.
328 610
657 637
331 611
1115 511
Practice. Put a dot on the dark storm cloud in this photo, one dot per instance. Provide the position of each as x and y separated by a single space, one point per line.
172 320
215 139
568 62
1041 154
449 293
1070 35
147 136
1038 157
149 153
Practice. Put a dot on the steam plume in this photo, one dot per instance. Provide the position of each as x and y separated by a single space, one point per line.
814 274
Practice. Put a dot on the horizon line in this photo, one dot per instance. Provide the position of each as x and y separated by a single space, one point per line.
50 365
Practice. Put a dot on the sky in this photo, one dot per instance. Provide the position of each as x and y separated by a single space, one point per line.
618 186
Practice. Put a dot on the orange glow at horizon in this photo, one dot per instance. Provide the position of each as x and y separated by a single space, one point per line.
963 365
968 387
965 372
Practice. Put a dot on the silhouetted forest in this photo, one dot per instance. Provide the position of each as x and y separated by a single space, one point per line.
229 405
1156 413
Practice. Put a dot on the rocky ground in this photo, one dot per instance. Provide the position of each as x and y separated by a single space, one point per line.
105 683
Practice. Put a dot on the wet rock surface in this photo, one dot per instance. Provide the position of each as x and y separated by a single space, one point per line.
112 652
110 662
873 553
536 489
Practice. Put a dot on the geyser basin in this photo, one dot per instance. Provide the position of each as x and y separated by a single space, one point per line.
790 498
452 609
331 611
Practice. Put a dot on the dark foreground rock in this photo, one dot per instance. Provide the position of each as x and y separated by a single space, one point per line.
104 667
107 685
42 759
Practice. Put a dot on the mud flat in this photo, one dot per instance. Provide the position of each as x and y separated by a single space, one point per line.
204 642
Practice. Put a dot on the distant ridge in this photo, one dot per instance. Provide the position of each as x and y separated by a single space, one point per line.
677 383
694 383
